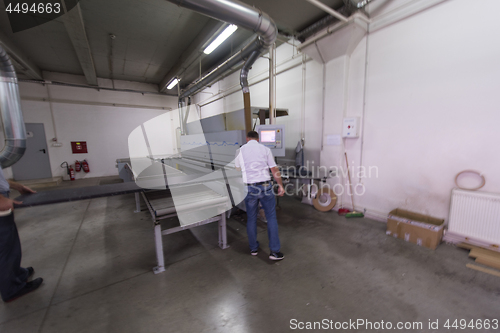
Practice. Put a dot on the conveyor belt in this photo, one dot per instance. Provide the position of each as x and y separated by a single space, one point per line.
75 194
187 198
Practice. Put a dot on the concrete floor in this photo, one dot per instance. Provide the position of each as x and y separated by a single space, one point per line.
96 258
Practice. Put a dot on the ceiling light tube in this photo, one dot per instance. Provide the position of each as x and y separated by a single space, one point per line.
173 83
220 39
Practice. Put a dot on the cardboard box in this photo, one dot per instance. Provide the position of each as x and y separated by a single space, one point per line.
415 228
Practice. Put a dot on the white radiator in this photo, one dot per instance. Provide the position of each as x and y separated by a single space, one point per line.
474 216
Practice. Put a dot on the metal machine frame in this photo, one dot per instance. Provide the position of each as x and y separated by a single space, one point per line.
158 232
168 210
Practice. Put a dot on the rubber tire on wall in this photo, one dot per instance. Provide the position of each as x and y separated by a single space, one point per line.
329 204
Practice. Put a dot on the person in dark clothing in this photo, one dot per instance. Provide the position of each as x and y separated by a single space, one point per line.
13 278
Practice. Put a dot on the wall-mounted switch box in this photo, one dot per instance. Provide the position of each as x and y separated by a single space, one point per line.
350 128
79 147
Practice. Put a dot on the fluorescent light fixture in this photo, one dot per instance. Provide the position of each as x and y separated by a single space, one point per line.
221 38
173 83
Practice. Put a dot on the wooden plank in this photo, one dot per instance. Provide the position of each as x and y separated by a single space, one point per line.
473 253
480 252
483 269
486 261
450 237
465 246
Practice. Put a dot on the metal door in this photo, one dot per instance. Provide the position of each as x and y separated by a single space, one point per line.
35 162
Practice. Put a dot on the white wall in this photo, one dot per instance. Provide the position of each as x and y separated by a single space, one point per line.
83 114
431 107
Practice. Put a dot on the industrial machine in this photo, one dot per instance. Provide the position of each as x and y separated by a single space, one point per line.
198 185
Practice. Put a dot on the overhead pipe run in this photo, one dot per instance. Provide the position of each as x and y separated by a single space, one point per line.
272 78
12 117
342 14
328 10
246 90
235 88
355 18
184 125
235 12
180 104
272 85
192 54
363 3
243 16
74 85
221 69
346 10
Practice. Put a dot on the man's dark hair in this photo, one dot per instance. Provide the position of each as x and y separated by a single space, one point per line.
253 135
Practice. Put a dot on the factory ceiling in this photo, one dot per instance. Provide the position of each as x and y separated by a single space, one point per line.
142 40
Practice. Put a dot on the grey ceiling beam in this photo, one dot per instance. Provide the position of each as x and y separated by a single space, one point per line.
192 53
20 59
73 21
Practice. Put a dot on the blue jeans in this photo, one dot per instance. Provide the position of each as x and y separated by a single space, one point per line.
264 194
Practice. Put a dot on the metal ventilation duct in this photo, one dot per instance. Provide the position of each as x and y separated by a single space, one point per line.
244 16
12 117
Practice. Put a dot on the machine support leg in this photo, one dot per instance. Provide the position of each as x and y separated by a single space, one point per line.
137 203
309 189
159 250
222 232
309 196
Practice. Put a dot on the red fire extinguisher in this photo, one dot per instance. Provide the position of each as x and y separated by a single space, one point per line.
85 166
71 173
69 169
78 166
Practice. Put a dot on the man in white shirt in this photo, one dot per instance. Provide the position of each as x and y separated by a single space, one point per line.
255 160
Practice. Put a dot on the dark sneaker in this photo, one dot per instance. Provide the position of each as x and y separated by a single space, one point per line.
254 253
276 256
29 287
31 271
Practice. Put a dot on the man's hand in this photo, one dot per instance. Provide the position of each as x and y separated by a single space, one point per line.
281 190
277 177
6 203
21 188
25 190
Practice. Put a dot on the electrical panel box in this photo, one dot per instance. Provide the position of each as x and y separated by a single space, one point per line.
79 147
273 137
350 128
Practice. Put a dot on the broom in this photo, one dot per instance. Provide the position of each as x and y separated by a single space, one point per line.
354 212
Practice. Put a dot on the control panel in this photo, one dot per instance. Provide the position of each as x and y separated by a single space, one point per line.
273 137
350 127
